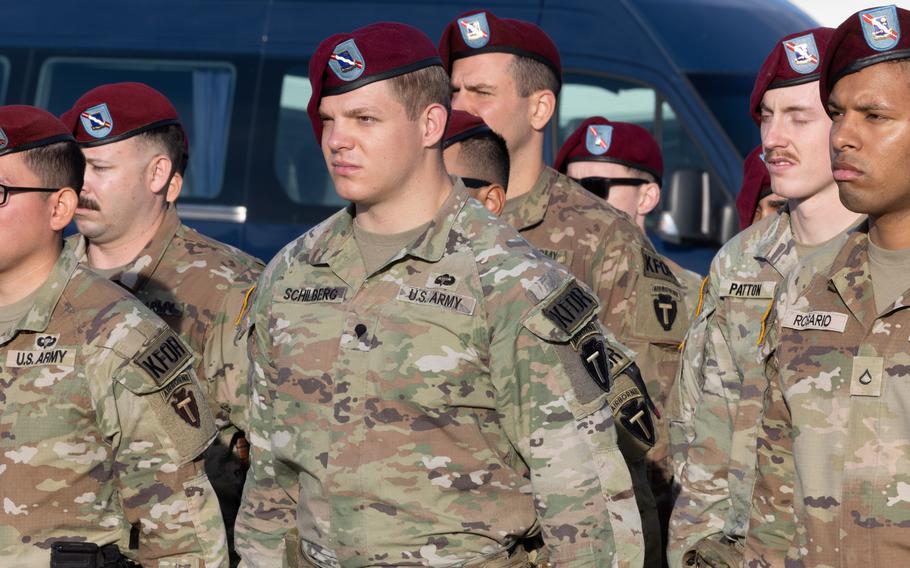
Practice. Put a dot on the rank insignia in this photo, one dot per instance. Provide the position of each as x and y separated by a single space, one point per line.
598 138
97 121
802 54
880 27
475 30
346 61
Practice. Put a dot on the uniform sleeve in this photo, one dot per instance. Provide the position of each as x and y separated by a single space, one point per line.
164 427
227 363
703 504
557 417
268 511
687 388
773 522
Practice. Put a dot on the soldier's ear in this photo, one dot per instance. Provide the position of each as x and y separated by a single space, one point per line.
542 106
648 198
63 206
162 180
493 198
433 124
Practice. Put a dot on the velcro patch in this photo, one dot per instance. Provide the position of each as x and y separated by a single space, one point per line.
437 298
571 309
749 290
43 357
332 295
866 376
823 321
655 267
164 357
563 257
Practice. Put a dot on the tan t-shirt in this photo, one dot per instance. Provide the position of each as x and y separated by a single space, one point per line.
890 273
12 313
376 248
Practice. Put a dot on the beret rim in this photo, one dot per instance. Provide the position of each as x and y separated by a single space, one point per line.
391 73
869 61
511 50
131 133
38 144
613 160
461 136
793 82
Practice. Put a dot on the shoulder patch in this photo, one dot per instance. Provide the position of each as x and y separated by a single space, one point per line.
571 309
163 357
655 267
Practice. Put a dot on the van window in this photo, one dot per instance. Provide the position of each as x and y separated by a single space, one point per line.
4 78
201 91
583 96
298 161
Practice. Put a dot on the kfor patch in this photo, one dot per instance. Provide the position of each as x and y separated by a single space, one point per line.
655 267
165 356
574 306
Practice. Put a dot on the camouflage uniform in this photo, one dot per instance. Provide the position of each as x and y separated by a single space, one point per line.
690 281
101 420
719 468
833 483
644 302
407 417
199 287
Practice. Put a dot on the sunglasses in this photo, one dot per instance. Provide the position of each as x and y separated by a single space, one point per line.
5 191
474 183
600 186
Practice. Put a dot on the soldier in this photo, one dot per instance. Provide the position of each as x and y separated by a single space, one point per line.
102 422
833 470
476 154
624 166
427 389
711 514
508 72
137 151
755 200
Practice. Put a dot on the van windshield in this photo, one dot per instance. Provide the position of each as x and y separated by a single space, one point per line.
727 95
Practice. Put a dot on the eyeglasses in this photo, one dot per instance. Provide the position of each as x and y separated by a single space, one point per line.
474 183
6 189
600 186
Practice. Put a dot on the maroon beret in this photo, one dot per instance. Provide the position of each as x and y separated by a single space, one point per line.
25 127
474 33
347 61
461 126
865 38
756 185
117 111
796 59
599 140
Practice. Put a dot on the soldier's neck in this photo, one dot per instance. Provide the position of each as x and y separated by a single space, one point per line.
819 218
123 249
889 231
525 166
27 275
413 204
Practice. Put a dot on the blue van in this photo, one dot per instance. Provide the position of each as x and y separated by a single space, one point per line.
237 72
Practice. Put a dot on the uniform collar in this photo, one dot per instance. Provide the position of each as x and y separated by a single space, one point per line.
536 203
850 278
39 315
337 247
134 276
777 245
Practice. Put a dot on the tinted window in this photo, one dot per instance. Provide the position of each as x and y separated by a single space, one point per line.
4 77
201 91
727 96
298 162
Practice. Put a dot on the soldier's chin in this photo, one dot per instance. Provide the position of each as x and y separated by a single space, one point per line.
88 229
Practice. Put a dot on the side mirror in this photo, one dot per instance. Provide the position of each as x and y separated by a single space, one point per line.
695 210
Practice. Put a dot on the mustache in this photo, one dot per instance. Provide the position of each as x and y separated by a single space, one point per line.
779 155
88 203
